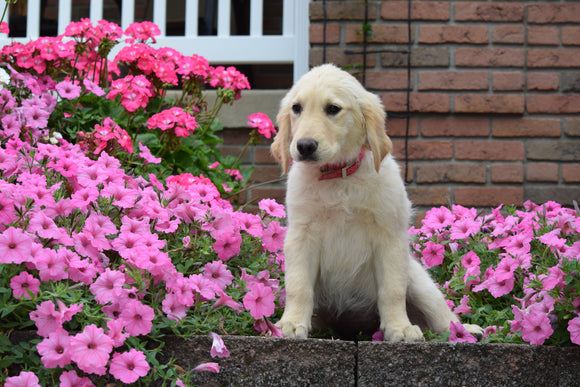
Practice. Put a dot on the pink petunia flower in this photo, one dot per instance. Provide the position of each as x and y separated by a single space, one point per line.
129 366
464 228
146 155
227 245
90 349
272 208
24 283
54 349
433 254
463 307
218 348
71 379
459 334
574 329
209 367
107 287
24 379
536 328
138 318
470 260
15 246
218 272
68 90
259 301
273 237
555 278
173 308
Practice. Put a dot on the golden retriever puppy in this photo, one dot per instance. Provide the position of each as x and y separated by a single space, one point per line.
347 245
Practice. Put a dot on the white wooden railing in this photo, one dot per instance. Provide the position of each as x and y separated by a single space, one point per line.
290 47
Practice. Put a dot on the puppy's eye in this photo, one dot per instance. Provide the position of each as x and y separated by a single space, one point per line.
332 110
297 108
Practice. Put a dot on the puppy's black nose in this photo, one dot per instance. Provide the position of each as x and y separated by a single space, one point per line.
307 147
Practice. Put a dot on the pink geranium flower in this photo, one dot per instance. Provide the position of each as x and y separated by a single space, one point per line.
24 283
129 366
259 301
262 123
459 334
90 349
218 348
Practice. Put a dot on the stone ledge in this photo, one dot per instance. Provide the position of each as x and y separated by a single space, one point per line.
259 361
253 101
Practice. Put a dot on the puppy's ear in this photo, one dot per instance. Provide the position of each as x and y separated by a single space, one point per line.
281 146
374 120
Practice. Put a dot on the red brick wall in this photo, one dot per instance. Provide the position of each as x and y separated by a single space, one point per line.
494 93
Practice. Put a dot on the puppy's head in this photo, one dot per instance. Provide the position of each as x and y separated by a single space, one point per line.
326 118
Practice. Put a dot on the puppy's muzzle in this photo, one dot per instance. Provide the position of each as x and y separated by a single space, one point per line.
307 148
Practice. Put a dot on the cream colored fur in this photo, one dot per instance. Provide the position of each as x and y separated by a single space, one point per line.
346 249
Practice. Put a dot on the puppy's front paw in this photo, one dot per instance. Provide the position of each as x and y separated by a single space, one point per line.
475 330
409 334
292 329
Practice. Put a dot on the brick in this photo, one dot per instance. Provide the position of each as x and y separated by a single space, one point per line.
526 127
553 13
410 171
277 193
459 34
546 58
508 34
489 103
317 33
453 80
488 12
420 57
556 150
572 126
337 56
455 127
451 172
542 172
262 155
540 81
489 150
386 34
507 173
508 81
570 82
423 150
429 196
553 104
489 57
560 194
488 196
397 127
423 10
543 36
571 36
419 102
342 10
235 151
387 80
264 173
571 173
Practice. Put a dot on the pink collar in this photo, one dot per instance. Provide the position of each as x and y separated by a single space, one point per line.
332 171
